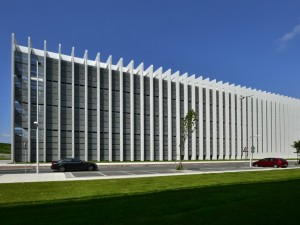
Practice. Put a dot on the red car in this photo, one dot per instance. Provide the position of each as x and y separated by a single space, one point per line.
271 162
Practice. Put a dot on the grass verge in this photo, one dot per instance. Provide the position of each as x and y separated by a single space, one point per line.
4 158
4 148
231 198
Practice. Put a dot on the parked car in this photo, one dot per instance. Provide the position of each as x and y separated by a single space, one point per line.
271 162
69 164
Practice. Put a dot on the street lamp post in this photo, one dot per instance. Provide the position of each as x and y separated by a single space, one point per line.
25 144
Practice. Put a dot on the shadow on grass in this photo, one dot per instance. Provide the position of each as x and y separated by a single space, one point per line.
256 203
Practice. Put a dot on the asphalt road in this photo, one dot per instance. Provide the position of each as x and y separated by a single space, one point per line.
119 170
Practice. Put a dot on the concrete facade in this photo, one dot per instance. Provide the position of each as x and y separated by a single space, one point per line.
104 112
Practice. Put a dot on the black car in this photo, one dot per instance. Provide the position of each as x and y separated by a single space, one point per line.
73 164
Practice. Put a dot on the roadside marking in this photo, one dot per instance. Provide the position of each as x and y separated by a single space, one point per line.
148 172
102 174
153 172
127 173
69 175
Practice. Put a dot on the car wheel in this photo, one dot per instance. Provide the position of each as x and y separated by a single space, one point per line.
90 168
256 165
62 169
275 166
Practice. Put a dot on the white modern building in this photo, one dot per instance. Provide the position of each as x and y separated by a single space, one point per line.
97 110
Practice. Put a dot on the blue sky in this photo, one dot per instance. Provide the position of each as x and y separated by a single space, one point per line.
252 43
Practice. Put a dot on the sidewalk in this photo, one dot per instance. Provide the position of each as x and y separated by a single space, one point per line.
31 177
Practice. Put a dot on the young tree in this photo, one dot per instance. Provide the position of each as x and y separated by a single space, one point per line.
189 124
296 146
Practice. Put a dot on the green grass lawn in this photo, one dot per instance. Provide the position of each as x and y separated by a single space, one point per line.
4 148
255 198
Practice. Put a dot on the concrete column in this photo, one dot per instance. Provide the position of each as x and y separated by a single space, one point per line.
278 128
108 64
227 146
151 114
178 139
132 122
200 118
214 120
221 119
59 103
259 125
233 122
45 104
161 116
255 134
29 101
13 48
142 119
170 131
264 124
250 117
273 149
269 124
282 128
239 148
121 111
73 104
286 127
186 108
244 121
194 108
290 122
86 107
98 108
207 118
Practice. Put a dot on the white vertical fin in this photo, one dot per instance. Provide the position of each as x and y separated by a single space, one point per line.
214 120
98 108
59 104
200 118
73 103
109 62
151 113
207 113
170 132
29 101
86 111
186 109
238 123
227 155
161 115
193 98
221 120
120 63
142 113
13 47
45 105
178 120
132 116
233 121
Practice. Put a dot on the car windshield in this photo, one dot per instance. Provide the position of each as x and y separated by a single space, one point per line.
67 160
76 160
